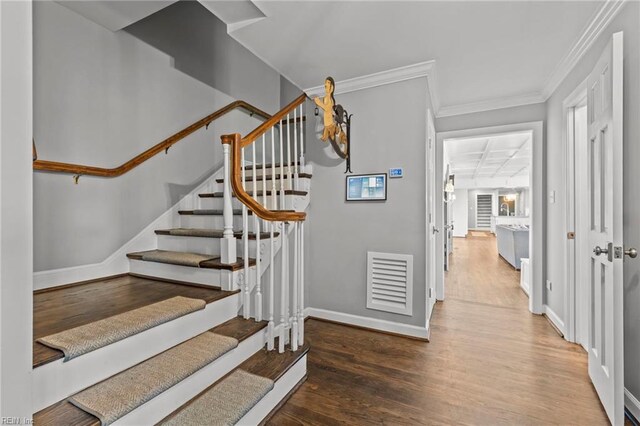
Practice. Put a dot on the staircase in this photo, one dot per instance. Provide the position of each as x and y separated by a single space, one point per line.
207 327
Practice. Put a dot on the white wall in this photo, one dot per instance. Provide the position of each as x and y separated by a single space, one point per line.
460 208
627 20
384 134
16 220
100 98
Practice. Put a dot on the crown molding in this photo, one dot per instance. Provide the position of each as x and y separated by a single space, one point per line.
491 104
395 75
590 34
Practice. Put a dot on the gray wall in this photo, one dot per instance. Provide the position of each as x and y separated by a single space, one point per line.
628 20
288 91
200 47
385 133
101 98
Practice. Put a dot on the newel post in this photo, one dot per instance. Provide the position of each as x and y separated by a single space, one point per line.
228 242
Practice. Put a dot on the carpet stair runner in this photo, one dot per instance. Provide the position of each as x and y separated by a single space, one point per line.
196 260
230 398
89 337
113 398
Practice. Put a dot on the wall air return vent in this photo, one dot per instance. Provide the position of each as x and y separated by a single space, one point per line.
390 282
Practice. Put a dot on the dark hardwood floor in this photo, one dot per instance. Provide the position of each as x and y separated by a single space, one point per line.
61 309
489 362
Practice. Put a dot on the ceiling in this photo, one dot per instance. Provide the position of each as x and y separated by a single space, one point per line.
483 50
115 15
500 156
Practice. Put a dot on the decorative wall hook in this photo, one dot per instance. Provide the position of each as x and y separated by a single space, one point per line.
337 123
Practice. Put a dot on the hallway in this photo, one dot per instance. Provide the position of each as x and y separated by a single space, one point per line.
489 362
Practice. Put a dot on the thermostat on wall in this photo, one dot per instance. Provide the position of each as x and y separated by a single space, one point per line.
396 172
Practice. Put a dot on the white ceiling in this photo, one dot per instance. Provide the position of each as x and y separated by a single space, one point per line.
483 50
499 156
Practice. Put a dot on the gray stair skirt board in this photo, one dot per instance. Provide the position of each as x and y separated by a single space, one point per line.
117 396
89 337
224 404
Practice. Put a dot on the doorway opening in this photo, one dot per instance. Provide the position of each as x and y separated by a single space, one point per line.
487 217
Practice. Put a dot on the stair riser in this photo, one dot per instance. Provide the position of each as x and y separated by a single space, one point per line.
217 203
168 401
212 277
303 184
281 389
58 380
200 245
208 222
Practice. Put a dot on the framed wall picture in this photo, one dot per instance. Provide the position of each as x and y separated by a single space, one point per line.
371 187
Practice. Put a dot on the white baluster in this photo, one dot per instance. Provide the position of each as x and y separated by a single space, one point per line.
272 266
264 175
228 242
290 186
282 175
274 172
301 138
295 149
256 230
301 292
294 297
283 287
246 311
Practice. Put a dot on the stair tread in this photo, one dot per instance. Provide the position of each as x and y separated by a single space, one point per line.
258 193
270 176
208 233
65 413
213 262
239 328
83 304
269 166
216 212
268 364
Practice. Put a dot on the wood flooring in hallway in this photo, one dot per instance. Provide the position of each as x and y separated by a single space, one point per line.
489 362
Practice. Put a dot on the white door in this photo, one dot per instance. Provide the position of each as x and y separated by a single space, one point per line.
431 215
604 109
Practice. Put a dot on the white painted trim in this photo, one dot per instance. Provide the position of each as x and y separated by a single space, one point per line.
632 404
590 34
117 263
555 319
57 380
280 390
395 75
578 95
372 323
491 104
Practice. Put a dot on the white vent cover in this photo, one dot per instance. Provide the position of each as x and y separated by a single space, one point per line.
390 282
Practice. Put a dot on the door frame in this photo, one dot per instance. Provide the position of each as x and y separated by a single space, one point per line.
577 97
432 259
537 204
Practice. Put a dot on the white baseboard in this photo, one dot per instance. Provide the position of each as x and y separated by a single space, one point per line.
372 323
632 404
117 263
555 319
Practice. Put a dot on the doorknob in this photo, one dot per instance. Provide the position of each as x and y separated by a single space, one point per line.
632 253
598 251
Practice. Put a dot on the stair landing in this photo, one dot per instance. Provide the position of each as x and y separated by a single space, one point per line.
62 308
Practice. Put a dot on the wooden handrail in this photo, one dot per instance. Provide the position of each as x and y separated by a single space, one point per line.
81 170
237 143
